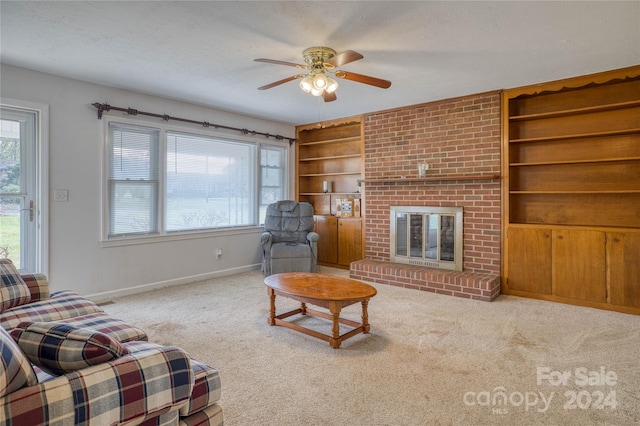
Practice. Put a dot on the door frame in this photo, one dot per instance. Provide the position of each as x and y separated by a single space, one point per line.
41 179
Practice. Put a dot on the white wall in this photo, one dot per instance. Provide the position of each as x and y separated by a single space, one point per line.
77 259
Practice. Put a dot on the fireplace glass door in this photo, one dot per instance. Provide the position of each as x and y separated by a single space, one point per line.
415 240
401 234
424 231
431 236
447 237
426 238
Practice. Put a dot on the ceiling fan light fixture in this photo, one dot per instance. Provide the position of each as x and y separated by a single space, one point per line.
316 92
320 81
306 84
332 85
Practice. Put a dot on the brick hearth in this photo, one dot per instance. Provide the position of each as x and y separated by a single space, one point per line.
472 285
457 137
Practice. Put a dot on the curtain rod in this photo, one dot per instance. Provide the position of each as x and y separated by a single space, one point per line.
131 111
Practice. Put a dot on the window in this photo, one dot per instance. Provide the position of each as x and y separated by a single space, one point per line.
133 180
209 183
272 177
164 181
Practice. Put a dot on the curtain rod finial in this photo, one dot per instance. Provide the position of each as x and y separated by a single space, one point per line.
101 108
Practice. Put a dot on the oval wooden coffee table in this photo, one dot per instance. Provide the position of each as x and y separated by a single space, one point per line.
327 291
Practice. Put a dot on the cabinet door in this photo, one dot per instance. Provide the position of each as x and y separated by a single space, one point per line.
349 241
327 228
529 260
579 264
623 252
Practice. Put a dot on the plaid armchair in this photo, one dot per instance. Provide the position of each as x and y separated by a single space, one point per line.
150 383
64 361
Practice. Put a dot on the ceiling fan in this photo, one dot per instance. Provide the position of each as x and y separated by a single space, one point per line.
320 65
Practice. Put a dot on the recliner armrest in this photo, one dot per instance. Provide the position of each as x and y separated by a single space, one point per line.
313 237
266 238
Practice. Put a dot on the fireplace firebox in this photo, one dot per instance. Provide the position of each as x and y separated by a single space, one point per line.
427 236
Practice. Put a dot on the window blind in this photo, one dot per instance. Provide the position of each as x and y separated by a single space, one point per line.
132 179
210 182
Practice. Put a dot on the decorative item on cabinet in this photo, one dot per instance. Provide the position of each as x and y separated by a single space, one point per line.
344 207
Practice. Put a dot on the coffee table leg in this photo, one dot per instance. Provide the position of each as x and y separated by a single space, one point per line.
303 308
335 308
365 316
272 311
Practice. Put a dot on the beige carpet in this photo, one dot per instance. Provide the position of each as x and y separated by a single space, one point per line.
429 359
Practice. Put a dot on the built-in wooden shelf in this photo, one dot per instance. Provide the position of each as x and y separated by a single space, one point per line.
571 191
619 132
576 111
579 161
333 140
330 174
428 179
331 157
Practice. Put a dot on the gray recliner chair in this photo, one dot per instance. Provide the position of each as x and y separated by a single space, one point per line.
289 243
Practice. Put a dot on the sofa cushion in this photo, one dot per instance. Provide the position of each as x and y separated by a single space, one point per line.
13 290
290 251
62 305
38 286
61 348
15 368
112 327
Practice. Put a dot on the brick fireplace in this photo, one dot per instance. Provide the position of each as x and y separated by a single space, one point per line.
460 140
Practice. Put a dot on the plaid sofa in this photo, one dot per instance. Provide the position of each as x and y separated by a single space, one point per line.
142 383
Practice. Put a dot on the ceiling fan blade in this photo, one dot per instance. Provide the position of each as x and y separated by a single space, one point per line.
279 82
373 81
329 97
344 58
273 61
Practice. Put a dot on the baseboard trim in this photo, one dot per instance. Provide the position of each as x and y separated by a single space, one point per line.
107 295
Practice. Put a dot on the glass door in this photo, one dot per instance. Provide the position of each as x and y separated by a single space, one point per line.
18 188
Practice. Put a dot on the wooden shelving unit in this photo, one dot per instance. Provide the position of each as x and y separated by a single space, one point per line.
332 152
571 190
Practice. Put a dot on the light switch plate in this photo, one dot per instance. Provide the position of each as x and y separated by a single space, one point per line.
61 195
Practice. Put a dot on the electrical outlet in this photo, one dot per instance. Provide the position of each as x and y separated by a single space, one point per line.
219 254
61 195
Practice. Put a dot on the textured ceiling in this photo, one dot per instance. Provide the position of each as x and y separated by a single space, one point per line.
203 52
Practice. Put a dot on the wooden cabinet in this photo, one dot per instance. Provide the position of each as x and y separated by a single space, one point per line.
327 228
623 252
529 259
574 264
571 190
579 264
349 240
329 166
340 240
